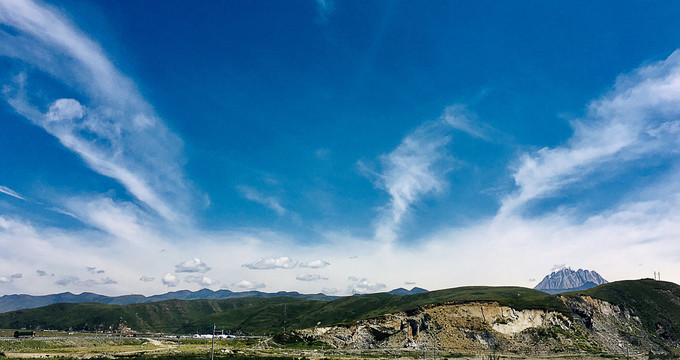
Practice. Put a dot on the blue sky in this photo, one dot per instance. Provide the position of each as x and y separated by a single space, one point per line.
335 146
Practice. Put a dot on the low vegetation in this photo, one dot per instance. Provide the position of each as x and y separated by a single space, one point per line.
257 316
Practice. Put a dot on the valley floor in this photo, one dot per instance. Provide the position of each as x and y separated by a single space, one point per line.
93 346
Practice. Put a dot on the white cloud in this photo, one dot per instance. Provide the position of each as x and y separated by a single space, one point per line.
459 117
201 280
268 201
415 169
315 264
248 285
66 110
7 191
124 220
310 277
109 124
363 286
621 127
145 278
192 266
75 280
283 262
170 280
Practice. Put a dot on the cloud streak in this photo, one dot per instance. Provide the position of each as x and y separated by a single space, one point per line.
75 280
109 125
7 191
310 277
284 262
268 201
415 169
636 120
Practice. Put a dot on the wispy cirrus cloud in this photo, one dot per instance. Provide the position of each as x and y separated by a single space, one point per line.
108 124
637 119
415 169
460 118
7 191
254 195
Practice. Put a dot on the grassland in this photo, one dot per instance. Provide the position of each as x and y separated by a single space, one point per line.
87 346
257 316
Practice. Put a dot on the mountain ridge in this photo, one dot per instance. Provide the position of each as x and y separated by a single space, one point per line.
24 301
567 279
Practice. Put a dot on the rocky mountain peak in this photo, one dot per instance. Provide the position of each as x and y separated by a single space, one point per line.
567 279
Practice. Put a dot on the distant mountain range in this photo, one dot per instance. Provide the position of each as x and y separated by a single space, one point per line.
402 291
567 279
19 302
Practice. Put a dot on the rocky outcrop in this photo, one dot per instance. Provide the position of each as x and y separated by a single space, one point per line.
593 327
616 328
468 327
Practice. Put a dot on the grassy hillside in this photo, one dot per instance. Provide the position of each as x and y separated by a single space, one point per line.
164 316
259 315
656 303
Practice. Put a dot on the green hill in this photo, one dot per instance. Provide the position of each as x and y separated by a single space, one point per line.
656 303
258 315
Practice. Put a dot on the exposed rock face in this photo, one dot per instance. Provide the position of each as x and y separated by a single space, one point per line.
615 328
469 327
567 279
595 327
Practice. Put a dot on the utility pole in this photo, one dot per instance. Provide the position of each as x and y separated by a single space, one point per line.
212 346
285 307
